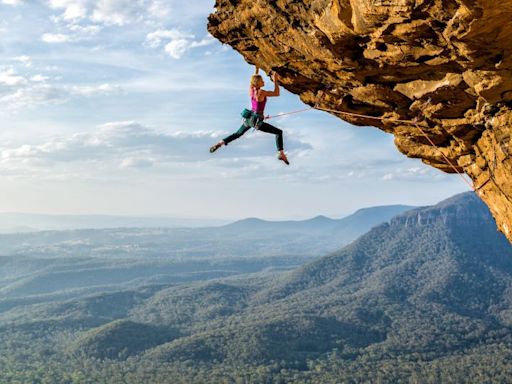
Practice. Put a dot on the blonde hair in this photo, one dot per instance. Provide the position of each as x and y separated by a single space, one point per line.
256 80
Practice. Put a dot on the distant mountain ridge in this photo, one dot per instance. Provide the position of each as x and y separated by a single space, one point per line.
344 229
28 222
31 222
376 214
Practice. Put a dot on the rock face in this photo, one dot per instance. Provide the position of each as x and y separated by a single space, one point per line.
446 63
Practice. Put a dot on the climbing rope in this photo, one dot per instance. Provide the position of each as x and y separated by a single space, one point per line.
410 122
413 122
445 157
268 117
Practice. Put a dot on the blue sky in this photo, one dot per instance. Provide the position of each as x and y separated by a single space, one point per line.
110 106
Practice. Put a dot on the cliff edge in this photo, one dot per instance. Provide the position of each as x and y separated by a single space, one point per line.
445 63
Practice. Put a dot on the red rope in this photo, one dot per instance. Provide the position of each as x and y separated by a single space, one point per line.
417 126
445 157
382 119
288 113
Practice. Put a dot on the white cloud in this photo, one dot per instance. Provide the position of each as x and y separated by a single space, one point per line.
159 9
73 10
39 78
9 77
56 38
177 43
208 40
177 48
33 95
24 92
84 31
23 151
117 12
417 174
154 39
12 2
94 90
80 20
132 162
77 32
25 60
110 12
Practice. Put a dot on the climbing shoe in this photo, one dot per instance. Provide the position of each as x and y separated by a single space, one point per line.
281 156
213 148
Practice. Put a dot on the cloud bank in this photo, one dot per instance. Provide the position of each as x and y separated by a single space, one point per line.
19 91
130 145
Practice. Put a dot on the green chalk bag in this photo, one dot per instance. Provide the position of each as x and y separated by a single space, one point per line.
252 119
246 113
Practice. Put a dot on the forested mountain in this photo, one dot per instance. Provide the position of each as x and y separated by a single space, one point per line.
422 298
433 279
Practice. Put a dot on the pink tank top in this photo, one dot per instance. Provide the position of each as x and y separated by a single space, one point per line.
257 106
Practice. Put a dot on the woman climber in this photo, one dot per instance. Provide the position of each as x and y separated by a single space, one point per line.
254 118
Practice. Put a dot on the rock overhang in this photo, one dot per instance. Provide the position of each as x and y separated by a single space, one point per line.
445 63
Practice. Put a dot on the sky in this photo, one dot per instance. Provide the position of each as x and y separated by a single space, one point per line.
110 107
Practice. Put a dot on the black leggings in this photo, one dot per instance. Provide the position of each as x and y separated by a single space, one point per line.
265 127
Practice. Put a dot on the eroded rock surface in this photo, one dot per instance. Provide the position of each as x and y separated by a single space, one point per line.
444 62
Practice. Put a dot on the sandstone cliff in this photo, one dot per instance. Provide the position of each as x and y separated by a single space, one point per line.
444 62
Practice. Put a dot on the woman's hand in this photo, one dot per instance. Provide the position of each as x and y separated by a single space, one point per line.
275 77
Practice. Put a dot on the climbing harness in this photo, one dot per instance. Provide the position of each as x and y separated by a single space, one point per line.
252 119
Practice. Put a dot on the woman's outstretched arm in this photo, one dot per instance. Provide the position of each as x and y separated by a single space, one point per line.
275 92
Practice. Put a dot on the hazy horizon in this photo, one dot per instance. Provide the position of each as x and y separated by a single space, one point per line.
12 221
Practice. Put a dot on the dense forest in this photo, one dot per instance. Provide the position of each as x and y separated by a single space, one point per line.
423 298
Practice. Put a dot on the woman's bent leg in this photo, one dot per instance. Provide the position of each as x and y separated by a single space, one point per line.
265 127
236 135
